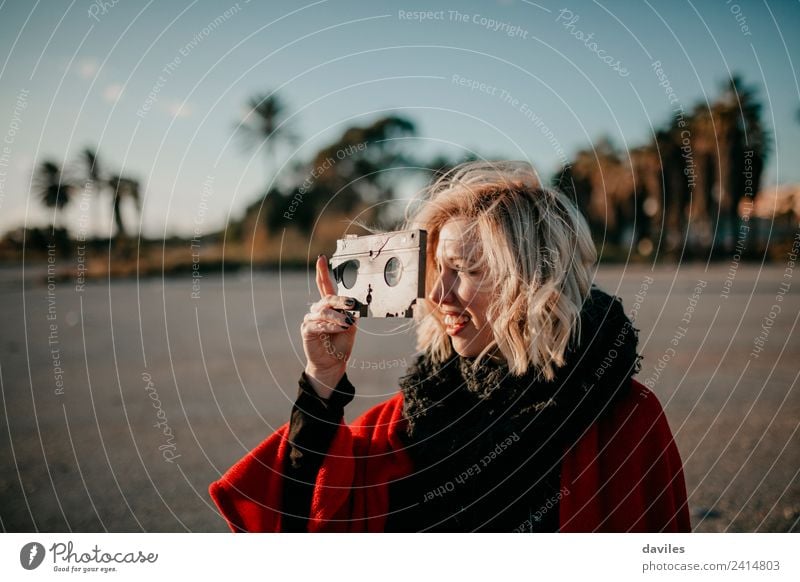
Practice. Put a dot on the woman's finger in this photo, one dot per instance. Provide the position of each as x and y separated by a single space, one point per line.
337 316
334 301
324 283
315 326
332 315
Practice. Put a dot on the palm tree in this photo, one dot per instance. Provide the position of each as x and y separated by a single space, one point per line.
52 188
600 181
354 170
265 125
573 180
121 188
93 173
727 148
349 174
747 148
93 183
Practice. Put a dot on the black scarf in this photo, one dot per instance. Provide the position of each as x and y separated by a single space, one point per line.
486 444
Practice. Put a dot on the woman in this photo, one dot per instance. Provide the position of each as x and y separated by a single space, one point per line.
520 412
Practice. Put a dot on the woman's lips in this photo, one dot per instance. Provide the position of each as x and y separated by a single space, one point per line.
455 323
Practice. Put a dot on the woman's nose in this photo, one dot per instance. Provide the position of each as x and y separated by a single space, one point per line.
442 290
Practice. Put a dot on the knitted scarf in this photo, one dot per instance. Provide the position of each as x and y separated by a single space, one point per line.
486 444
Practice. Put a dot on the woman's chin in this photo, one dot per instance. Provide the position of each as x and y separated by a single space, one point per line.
461 351
465 347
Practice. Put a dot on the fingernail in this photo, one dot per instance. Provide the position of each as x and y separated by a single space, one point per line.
350 302
349 319
345 326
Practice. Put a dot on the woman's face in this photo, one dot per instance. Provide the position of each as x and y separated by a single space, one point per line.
461 293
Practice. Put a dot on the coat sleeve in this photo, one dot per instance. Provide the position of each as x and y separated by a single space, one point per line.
312 428
351 489
625 474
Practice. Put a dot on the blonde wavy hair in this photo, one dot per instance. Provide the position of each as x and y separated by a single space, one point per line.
535 250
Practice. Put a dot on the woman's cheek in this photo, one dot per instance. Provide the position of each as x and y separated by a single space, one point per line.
469 298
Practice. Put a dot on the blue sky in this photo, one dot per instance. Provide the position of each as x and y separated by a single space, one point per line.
84 69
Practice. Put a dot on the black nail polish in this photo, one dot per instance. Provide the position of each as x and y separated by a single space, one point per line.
349 319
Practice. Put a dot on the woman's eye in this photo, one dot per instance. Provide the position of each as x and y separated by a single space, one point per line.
459 267
462 268
469 272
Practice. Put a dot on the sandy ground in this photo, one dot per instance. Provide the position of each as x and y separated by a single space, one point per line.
85 447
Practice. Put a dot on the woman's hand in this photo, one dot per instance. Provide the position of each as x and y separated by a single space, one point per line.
328 335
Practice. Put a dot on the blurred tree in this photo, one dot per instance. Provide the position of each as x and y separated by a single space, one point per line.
682 192
747 149
95 182
92 177
266 126
674 175
52 188
577 186
724 146
122 188
357 173
639 213
600 182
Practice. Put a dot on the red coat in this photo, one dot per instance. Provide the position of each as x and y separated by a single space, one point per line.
624 474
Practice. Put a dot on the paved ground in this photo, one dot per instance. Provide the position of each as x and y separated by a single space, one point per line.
163 392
